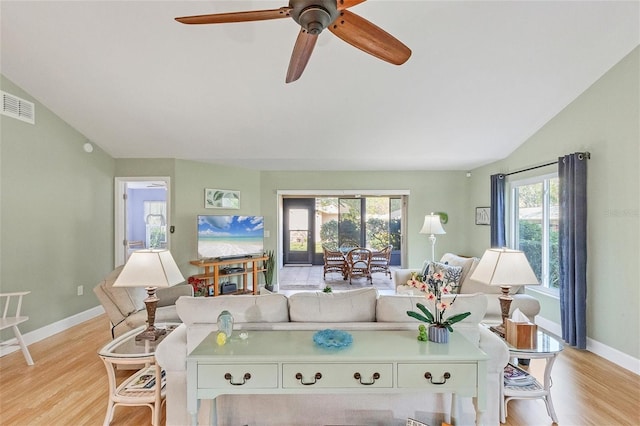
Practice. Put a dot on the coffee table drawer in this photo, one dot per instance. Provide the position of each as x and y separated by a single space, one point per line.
337 375
437 376
253 376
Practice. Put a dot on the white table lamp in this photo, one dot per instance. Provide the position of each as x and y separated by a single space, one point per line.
432 226
504 267
150 269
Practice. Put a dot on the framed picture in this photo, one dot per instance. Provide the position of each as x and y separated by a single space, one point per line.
221 199
483 215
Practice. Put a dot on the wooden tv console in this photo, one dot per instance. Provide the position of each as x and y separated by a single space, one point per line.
215 269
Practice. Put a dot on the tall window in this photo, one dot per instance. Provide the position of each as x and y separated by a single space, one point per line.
534 215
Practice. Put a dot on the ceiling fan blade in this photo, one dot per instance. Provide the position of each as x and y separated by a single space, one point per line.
345 4
301 54
223 18
369 38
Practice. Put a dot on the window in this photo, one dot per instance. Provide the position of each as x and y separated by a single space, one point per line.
155 213
534 218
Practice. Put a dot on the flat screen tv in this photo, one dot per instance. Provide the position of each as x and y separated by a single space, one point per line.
227 237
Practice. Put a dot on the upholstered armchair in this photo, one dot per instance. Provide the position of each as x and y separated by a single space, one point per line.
125 305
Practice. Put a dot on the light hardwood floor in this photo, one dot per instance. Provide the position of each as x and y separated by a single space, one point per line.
68 386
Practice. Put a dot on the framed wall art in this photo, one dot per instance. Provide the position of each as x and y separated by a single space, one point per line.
483 215
221 199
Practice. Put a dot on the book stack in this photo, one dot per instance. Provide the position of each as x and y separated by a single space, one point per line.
145 379
515 376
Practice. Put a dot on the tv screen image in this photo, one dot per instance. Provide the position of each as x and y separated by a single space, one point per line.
230 236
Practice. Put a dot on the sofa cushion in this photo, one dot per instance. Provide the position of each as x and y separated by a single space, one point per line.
464 262
244 308
451 274
393 308
348 306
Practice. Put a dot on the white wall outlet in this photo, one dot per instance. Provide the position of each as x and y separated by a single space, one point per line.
267 234
80 290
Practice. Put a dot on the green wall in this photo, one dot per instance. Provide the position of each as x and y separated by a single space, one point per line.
188 182
56 216
429 191
604 120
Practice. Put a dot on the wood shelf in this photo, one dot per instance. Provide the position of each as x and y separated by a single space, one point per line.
214 270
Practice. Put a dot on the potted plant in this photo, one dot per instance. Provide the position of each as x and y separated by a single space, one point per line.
269 267
439 326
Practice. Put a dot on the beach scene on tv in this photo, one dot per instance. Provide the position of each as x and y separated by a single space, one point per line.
230 236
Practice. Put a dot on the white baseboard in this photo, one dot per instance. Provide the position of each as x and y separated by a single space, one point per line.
51 329
619 358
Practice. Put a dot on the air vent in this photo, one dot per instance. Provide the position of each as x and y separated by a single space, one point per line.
13 106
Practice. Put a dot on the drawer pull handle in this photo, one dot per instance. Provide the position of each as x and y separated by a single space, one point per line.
358 377
229 377
317 377
429 377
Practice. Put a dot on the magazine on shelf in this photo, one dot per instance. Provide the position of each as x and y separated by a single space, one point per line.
515 376
146 379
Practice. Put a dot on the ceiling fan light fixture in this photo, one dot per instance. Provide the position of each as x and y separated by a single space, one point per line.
314 19
314 16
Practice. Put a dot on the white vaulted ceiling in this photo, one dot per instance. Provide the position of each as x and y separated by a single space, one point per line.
483 77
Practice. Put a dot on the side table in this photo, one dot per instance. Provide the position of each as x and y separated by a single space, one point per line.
140 389
547 348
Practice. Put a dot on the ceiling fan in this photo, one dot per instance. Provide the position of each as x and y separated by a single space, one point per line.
313 16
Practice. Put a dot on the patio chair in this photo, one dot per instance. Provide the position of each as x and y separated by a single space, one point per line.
8 321
359 263
334 261
380 261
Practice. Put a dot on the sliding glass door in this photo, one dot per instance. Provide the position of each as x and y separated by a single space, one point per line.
372 222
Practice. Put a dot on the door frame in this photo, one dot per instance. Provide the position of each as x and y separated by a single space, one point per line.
120 213
283 193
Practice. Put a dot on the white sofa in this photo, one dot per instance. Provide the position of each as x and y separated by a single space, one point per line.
350 310
528 305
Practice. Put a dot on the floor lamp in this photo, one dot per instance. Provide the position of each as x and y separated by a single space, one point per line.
432 226
504 267
150 269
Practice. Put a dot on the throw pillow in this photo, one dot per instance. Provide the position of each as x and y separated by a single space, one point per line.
450 273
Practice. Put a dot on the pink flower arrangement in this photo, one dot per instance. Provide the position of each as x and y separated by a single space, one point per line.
435 287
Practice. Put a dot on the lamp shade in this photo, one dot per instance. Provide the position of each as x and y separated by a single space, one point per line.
504 267
149 268
432 225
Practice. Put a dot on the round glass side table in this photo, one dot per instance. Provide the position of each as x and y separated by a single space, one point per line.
140 389
547 347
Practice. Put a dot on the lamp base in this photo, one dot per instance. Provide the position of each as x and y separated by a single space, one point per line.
499 330
151 333
505 306
151 302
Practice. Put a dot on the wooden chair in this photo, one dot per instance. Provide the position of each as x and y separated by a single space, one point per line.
380 261
334 261
359 263
8 321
